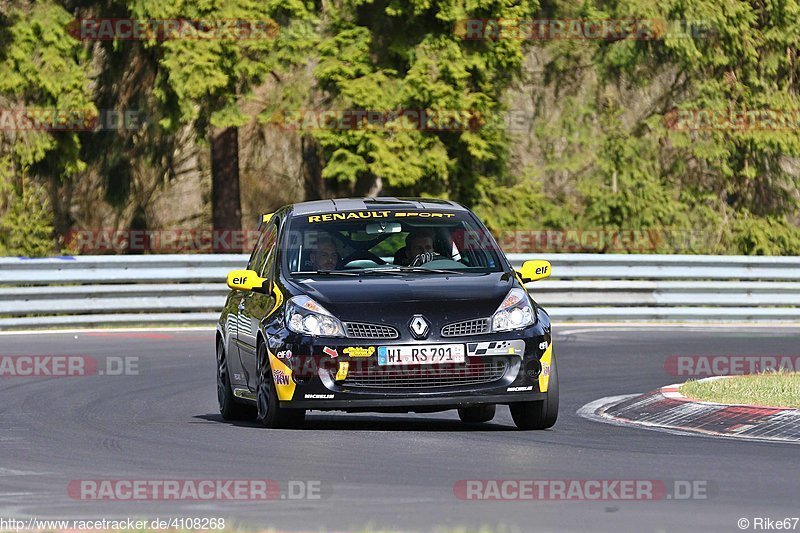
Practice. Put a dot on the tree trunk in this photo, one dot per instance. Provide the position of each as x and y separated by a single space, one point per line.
226 203
312 169
368 185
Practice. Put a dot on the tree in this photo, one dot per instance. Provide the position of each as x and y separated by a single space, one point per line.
206 78
401 59
642 147
43 74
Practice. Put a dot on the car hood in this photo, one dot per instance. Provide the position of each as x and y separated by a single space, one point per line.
381 299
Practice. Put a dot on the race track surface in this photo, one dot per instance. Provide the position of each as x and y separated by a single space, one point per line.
389 472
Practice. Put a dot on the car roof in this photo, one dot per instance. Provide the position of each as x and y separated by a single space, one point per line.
381 202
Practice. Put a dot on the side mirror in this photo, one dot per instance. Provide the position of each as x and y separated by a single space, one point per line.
247 280
535 270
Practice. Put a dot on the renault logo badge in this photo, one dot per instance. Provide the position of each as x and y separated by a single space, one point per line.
419 327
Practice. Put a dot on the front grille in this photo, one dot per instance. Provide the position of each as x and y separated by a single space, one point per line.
358 330
369 375
467 327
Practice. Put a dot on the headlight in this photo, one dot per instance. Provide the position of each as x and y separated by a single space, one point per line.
305 316
514 313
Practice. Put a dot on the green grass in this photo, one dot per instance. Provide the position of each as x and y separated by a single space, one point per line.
776 389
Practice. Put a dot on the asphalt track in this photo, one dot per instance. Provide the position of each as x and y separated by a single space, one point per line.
387 472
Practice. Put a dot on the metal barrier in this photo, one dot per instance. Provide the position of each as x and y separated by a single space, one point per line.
190 289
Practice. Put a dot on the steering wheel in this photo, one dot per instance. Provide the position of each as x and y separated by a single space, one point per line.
363 254
425 257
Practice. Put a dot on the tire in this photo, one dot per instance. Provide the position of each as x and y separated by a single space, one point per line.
230 406
540 414
477 414
269 413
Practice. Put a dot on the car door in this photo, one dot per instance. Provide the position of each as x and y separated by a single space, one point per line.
233 307
254 305
237 300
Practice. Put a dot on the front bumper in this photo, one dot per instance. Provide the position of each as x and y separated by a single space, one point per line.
414 402
322 374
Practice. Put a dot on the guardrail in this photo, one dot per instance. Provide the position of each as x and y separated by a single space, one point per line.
190 289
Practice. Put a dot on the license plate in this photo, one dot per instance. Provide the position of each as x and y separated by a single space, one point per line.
420 354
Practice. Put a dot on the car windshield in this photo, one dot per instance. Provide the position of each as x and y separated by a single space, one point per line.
389 242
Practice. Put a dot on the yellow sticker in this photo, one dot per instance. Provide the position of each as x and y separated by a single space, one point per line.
282 374
360 215
341 374
424 214
357 351
353 215
544 376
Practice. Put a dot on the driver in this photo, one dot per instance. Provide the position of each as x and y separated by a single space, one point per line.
418 242
325 255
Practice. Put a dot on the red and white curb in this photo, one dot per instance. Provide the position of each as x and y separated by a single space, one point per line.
666 409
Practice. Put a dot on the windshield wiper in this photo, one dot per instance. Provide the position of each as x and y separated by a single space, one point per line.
403 269
326 273
431 270
379 270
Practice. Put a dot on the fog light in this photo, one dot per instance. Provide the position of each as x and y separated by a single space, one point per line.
533 368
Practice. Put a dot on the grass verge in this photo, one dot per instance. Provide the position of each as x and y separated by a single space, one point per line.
775 389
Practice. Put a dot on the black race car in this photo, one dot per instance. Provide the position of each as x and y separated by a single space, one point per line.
388 305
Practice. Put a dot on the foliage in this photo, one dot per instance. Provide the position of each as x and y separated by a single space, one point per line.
636 169
41 67
407 56
26 226
604 149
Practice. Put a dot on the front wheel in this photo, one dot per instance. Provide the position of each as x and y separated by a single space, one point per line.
270 413
540 414
476 414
